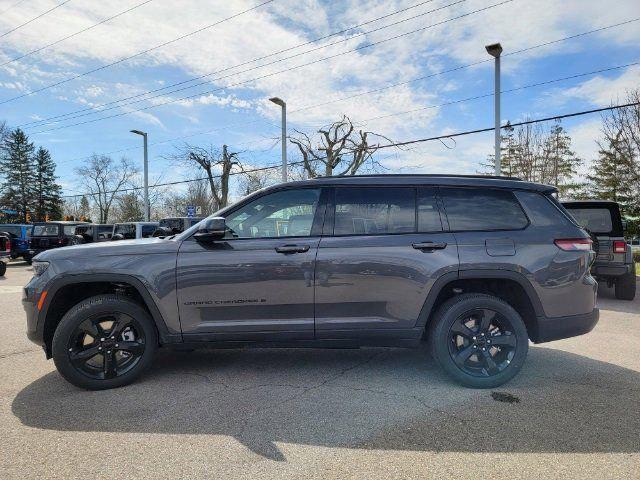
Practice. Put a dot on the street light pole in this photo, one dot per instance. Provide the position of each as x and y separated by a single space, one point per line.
147 207
279 101
495 50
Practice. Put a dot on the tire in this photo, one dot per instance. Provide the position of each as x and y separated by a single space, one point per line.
625 286
491 359
3 269
131 348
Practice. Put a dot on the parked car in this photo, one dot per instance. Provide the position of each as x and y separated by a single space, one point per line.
633 242
174 225
93 232
477 266
48 235
133 230
614 262
19 234
5 252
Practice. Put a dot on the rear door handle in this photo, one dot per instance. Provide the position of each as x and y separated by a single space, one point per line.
429 246
292 248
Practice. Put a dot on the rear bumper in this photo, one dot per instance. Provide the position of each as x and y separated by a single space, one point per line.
611 270
555 328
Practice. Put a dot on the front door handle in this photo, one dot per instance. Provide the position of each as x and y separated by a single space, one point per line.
429 246
292 248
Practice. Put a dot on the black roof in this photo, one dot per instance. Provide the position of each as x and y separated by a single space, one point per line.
429 179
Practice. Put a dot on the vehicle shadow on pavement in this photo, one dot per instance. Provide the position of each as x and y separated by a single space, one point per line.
607 300
390 399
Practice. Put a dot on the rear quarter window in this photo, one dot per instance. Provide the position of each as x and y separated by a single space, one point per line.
541 209
475 209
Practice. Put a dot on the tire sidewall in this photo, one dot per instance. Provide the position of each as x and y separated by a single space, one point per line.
448 314
90 307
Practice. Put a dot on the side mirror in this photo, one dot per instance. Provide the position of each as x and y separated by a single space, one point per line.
211 230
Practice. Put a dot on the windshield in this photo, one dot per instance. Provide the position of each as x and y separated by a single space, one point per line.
13 230
45 230
127 230
596 220
174 224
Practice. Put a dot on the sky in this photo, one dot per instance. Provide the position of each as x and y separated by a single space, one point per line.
411 68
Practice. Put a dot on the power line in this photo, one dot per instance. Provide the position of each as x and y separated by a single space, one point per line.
102 67
33 19
93 109
393 144
20 57
189 97
398 84
509 125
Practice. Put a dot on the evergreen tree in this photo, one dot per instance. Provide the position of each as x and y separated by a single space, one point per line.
47 199
85 209
17 169
612 173
561 163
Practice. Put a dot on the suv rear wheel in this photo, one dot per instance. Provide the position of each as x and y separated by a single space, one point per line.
479 340
103 342
625 286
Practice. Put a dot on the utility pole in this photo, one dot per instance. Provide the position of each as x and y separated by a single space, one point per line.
495 50
279 101
147 207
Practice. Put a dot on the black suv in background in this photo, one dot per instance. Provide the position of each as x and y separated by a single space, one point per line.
614 260
477 266
173 225
48 235
92 232
5 252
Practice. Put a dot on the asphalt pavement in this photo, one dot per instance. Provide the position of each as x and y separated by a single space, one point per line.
572 412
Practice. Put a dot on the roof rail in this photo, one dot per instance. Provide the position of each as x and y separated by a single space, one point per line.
492 177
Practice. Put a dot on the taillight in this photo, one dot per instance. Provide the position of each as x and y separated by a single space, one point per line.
574 244
7 247
619 246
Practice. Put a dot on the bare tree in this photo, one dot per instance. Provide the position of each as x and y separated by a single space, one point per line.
255 180
339 150
216 164
104 180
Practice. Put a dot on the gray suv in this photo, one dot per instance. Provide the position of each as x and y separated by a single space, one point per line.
474 266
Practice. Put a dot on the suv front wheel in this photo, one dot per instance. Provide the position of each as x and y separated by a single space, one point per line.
479 340
105 341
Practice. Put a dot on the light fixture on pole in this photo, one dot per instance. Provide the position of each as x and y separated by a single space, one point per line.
279 101
147 208
495 50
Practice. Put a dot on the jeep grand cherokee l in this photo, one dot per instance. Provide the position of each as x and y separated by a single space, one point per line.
476 266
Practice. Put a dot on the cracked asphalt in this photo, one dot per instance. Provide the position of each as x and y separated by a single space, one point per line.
371 413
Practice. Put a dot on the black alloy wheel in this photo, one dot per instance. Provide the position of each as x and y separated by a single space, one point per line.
482 342
105 341
479 340
106 346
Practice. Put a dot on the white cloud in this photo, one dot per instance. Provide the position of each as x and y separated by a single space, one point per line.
603 91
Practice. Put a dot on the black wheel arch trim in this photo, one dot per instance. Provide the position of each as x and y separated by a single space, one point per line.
164 335
448 277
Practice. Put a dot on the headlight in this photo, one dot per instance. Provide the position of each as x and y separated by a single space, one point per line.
39 267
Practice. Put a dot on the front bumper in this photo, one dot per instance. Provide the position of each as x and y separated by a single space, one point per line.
555 328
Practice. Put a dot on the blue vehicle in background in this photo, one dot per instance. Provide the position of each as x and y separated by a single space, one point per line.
20 235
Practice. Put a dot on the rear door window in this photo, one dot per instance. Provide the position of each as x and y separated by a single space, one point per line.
428 212
475 209
374 211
